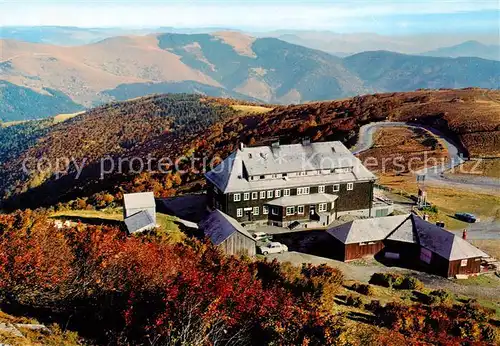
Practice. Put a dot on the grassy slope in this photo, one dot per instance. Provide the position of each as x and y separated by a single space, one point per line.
397 141
485 167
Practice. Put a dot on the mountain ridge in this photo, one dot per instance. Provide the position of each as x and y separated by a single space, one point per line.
223 64
471 48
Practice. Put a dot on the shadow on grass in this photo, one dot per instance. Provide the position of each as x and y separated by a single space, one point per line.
362 317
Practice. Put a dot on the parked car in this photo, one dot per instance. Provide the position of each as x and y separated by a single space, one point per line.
261 236
273 247
467 217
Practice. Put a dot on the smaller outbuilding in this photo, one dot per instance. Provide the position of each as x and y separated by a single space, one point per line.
227 234
408 240
139 222
364 237
140 201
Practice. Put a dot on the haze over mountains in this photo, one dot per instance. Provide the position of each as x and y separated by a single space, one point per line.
40 80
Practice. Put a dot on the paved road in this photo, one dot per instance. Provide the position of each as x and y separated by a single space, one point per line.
433 175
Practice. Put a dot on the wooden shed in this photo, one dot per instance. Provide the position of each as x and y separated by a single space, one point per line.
409 240
364 237
433 248
134 203
228 234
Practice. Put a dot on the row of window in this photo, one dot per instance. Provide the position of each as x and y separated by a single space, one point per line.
301 174
256 211
322 207
286 192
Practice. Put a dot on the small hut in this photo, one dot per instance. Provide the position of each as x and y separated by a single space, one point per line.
226 233
136 202
364 237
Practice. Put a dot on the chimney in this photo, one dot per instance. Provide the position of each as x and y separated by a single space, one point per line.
242 146
275 144
306 141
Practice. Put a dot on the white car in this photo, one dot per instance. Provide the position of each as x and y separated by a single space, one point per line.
273 247
260 236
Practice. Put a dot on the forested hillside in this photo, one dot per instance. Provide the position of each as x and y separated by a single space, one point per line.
21 103
189 126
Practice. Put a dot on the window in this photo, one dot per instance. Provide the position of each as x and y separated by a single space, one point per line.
284 175
255 195
303 173
333 205
300 210
336 187
350 186
303 191
322 207
277 193
246 196
463 263
265 210
239 212
321 189
286 192
274 210
256 210
262 194
251 178
236 197
290 210
269 194
425 256
274 176
262 177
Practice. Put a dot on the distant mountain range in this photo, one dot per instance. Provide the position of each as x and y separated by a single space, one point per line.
469 48
39 80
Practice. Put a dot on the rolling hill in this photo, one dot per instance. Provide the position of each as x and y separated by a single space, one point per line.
468 49
192 126
223 64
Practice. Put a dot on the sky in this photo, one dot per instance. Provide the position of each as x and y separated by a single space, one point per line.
387 16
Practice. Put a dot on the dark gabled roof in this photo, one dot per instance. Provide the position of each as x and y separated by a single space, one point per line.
442 242
364 230
139 221
218 227
139 200
407 229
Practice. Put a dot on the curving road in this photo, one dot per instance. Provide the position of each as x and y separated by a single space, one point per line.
434 175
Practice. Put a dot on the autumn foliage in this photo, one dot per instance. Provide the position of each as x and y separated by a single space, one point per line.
115 289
